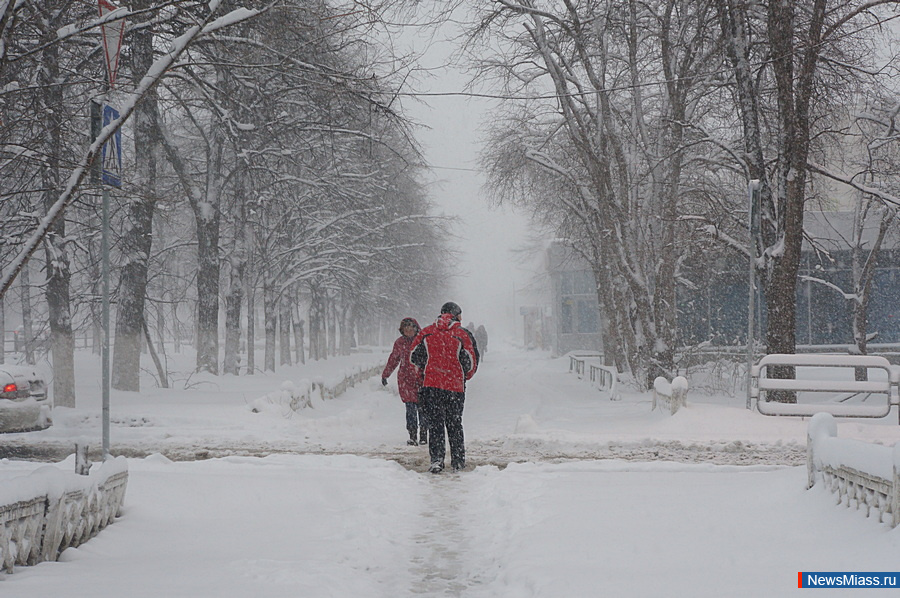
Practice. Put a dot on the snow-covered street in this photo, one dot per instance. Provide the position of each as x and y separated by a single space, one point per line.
549 507
522 406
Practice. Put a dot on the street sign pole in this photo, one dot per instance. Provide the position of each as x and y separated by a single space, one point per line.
112 35
104 250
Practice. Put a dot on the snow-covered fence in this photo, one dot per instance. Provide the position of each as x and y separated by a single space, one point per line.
292 397
883 379
858 472
606 379
590 364
49 510
672 395
578 361
351 377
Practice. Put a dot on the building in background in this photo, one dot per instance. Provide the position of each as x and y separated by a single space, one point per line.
712 309
573 321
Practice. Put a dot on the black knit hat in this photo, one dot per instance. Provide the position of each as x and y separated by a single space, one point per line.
452 309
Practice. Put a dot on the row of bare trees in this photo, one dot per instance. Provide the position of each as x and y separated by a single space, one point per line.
633 129
268 171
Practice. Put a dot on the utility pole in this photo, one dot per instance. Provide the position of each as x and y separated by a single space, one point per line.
753 195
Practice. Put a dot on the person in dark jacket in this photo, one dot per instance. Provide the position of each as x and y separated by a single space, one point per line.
409 381
446 356
481 338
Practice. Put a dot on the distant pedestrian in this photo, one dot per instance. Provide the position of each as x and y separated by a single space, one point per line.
409 381
481 338
470 330
445 353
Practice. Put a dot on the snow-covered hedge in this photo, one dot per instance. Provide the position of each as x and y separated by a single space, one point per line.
292 397
49 510
858 472
672 395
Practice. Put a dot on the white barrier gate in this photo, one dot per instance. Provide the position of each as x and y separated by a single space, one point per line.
761 384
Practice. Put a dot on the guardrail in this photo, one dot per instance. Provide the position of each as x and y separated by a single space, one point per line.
858 472
350 379
51 510
887 378
293 397
602 377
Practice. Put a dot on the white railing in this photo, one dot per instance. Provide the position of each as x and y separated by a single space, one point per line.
602 377
578 360
885 380
351 377
606 379
292 397
49 510
672 395
861 474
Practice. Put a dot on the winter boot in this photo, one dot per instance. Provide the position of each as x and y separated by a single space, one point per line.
436 467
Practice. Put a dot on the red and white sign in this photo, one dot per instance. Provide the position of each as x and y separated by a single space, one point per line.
112 33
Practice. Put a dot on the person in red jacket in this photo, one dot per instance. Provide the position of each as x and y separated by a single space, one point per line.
446 355
409 381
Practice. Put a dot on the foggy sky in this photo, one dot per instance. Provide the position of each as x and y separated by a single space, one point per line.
490 282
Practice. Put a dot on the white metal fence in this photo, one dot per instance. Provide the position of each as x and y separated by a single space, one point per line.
863 475
589 365
832 375
47 511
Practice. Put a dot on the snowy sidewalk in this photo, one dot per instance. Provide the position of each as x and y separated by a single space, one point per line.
520 406
342 526
346 519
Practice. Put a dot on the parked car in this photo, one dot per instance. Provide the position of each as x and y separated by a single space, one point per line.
24 405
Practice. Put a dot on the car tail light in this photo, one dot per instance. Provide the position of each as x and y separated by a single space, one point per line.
10 388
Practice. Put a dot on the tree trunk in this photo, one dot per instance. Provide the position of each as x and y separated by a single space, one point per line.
160 370
233 301
251 330
57 259
160 328
864 264
2 330
95 306
794 88
331 310
314 320
270 316
208 292
27 341
298 335
176 329
284 328
137 224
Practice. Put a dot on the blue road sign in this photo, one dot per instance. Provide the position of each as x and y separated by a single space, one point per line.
111 156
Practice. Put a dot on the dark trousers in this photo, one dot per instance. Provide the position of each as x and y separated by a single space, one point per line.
444 410
415 420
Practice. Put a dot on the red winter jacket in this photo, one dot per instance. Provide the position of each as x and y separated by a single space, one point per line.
409 378
445 352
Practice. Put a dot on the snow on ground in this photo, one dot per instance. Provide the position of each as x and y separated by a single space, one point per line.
566 495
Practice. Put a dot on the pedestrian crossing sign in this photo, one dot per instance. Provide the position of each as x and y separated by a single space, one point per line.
111 155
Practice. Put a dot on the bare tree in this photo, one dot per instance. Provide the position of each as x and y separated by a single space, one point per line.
613 146
799 48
